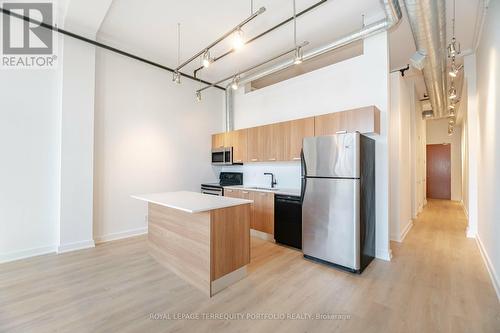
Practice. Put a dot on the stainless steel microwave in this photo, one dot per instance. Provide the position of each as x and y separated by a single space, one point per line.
222 156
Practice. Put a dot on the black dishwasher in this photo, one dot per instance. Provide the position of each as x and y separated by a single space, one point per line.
288 220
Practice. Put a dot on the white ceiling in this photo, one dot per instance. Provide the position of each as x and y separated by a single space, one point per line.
148 28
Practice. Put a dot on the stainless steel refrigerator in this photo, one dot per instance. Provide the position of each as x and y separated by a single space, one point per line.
338 200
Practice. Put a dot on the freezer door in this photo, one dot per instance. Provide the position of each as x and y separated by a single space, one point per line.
331 156
330 221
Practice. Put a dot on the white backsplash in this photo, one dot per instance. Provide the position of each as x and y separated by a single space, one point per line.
287 173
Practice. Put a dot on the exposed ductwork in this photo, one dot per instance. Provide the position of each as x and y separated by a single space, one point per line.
393 16
428 24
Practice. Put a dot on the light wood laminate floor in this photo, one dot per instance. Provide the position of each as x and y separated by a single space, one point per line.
437 282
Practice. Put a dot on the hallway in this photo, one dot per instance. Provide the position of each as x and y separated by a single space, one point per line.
437 282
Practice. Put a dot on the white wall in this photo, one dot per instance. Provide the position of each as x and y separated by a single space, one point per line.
400 155
356 82
150 136
488 149
465 149
29 168
472 119
437 133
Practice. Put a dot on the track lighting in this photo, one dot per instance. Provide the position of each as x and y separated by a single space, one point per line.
206 60
238 41
298 55
427 114
176 77
198 96
451 129
454 70
236 83
453 48
453 92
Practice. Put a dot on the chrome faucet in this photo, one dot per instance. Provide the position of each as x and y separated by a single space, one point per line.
273 180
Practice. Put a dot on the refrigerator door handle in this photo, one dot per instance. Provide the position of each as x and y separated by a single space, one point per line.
304 175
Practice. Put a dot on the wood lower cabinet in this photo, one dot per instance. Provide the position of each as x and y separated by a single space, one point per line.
262 209
262 212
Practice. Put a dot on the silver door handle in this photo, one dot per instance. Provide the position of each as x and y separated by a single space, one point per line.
272 159
254 159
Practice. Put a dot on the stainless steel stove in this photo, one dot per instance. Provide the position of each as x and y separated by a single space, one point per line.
225 179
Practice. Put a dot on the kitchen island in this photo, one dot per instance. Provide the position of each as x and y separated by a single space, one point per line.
204 239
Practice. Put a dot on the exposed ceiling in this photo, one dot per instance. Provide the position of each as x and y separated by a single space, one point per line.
148 29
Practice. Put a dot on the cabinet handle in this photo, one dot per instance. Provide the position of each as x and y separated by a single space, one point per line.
230 190
254 160
244 192
238 161
262 193
272 159
296 158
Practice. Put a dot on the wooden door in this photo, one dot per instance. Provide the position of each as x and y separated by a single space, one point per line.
268 140
218 140
297 131
238 140
263 212
439 171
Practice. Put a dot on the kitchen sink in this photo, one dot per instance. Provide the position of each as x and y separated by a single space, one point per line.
263 188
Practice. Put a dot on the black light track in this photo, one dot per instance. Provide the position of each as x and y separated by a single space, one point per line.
101 45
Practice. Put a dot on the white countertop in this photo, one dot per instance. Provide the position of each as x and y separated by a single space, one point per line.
282 191
190 202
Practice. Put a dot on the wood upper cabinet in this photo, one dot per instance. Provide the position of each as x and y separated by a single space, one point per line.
255 144
364 120
263 212
297 130
238 140
218 140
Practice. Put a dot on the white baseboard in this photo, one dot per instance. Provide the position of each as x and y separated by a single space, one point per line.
489 266
401 237
465 209
121 235
69 247
406 230
384 254
23 254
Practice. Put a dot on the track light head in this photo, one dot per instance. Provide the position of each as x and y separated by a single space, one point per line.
238 41
298 55
206 60
451 130
427 114
453 48
236 83
198 96
176 77
452 94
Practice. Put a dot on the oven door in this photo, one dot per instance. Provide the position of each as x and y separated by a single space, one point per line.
211 191
222 156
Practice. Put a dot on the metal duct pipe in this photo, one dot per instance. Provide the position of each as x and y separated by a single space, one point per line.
393 16
428 25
